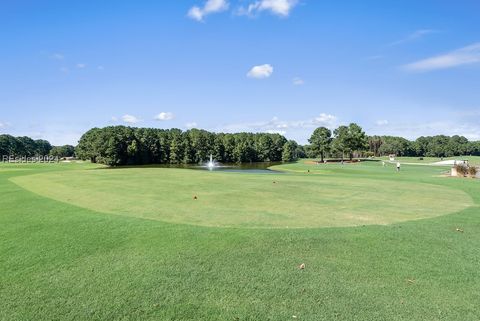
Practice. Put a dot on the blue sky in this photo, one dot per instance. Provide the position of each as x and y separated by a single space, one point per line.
406 68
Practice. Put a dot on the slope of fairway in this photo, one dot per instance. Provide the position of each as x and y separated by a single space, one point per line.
247 200
64 262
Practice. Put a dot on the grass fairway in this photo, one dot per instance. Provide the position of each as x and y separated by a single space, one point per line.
247 200
473 160
79 243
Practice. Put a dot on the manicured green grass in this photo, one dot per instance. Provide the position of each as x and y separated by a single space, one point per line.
248 200
63 261
474 160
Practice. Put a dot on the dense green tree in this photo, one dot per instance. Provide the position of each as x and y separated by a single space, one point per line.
457 145
117 146
9 145
310 153
176 146
395 145
163 145
43 147
264 146
356 140
474 148
244 151
374 144
277 149
218 146
63 151
438 146
229 147
87 147
349 139
27 146
145 148
289 153
433 146
421 146
122 145
198 146
301 152
23 146
340 142
321 142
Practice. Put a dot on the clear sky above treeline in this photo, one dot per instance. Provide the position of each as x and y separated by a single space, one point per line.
407 68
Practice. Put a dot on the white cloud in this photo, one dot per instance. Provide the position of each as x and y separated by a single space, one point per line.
458 124
463 56
191 125
100 68
418 34
297 81
81 65
211 6
260 72
278 7
58 56
298 130
129 119
277 125
326 120
165 116
274 131
381 122
5 125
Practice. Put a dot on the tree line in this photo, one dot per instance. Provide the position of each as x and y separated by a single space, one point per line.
27 147
352 141
429 146
120 145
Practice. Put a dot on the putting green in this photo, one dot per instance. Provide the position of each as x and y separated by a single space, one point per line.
246 200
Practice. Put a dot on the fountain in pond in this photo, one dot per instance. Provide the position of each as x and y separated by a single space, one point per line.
211 164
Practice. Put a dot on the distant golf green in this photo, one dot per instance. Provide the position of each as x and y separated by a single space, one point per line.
84 242
246 200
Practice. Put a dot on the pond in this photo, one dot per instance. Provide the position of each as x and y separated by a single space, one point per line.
256 168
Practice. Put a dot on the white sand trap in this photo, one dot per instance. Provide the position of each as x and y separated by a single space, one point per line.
450 162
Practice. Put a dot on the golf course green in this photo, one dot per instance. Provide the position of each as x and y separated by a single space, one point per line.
79 241
246 200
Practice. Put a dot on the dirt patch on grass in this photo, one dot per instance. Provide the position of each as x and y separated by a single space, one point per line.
331 161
